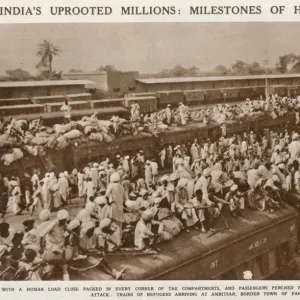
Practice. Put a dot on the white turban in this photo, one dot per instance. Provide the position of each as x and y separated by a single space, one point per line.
206 172
164 178
147 215
44 215
247 275
234 188
100 200
105 223
88 225
182 183
62 215
73 224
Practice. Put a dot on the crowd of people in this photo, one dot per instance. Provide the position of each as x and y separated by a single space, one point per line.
21 138
140 202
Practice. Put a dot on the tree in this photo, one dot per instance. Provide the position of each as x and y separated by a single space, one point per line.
179 71
107 68
19 74
165 73
47 51
45 74
193 71
240 68
221 70
256 69
296 67
287 63
75 71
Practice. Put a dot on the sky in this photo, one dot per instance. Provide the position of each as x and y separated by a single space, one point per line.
147 47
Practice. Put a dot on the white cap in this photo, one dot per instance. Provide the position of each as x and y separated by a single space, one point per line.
206 172
247 275
157 200
147 215
13 183
100 200
73 224
105 223
87 226
173 177
233 187
115 177
62 215
44 215
182 183
164 178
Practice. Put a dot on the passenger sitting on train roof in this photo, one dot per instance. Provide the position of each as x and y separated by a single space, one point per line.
94 241
145 234
236 201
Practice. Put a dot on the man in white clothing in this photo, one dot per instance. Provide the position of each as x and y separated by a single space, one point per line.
66 108
203 182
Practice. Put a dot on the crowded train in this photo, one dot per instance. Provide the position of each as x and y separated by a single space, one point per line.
133 203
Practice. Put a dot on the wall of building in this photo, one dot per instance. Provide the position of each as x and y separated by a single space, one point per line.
154 87
121 81
100 79
36 91
295 81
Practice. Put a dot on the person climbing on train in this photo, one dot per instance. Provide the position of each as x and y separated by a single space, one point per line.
66 108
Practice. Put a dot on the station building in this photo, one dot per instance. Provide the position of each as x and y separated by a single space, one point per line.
152 85
29 89
110 82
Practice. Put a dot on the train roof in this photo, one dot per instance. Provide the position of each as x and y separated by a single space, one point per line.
189 247
15 84
213 78
75 113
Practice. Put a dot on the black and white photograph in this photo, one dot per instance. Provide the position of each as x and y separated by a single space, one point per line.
149 151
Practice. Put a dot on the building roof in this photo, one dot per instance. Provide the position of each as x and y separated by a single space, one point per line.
84 73
213 78
7 84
